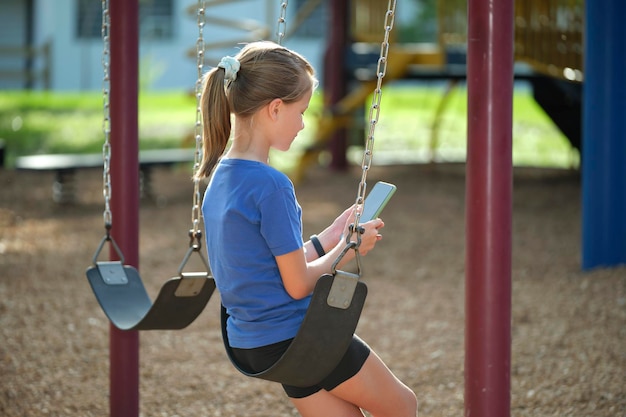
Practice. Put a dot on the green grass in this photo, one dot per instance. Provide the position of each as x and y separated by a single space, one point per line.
407 129
32 123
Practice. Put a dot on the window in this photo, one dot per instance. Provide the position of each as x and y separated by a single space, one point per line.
155 19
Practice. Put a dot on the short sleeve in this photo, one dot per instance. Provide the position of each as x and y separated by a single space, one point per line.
281 221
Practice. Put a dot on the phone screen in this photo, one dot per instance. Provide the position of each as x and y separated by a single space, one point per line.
376 200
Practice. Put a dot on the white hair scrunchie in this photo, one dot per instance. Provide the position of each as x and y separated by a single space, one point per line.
231 67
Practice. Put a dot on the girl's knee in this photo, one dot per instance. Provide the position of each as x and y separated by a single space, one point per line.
410 401
414 403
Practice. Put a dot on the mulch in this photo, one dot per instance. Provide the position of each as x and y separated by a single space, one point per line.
568 325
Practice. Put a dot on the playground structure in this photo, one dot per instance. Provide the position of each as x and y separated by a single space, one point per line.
548 34
548 40
490 82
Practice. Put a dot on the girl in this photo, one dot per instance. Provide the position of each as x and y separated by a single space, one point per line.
263 270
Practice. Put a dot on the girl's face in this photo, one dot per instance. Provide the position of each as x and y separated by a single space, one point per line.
291 121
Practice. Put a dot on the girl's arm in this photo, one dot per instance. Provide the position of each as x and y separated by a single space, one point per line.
301 268
330 236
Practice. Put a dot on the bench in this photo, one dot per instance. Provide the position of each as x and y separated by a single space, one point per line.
65 166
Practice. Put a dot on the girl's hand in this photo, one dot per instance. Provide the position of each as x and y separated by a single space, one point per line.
340 225
370 236
335 234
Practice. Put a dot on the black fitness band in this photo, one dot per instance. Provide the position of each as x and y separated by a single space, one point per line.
317 245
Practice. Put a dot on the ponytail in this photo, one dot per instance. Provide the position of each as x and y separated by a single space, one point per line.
215 121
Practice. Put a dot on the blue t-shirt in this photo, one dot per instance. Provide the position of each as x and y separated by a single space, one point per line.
251 215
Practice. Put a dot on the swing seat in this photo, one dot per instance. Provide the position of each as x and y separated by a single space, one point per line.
323 337
126 303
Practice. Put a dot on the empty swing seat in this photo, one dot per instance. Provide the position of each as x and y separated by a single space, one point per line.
123 297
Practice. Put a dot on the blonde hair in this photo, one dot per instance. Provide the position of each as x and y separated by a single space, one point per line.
267 71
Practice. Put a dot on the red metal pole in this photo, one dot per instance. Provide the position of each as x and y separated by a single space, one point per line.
124 345
489 208
335 76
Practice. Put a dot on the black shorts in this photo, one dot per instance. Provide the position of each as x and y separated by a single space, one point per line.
263 357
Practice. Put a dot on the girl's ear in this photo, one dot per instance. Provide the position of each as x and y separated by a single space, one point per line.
274 107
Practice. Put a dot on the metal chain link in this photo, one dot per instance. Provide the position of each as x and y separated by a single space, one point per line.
281 26
374 111
195 233
106 120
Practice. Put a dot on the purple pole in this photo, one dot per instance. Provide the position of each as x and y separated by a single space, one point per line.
489 208
124 345
335 79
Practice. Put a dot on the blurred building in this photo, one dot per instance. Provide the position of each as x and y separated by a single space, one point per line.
57 44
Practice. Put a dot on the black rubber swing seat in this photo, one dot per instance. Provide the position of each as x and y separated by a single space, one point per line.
323 337
126 303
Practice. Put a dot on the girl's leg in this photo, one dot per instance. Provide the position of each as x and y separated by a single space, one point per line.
377 390
325 404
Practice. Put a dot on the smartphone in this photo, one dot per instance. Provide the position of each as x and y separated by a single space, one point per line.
376 200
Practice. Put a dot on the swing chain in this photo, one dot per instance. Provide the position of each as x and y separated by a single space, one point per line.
106 120
108 238
195 240
374 114
195 246
281 27
350 244
195 210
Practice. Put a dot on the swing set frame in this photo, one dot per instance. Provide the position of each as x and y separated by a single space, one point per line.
488 361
